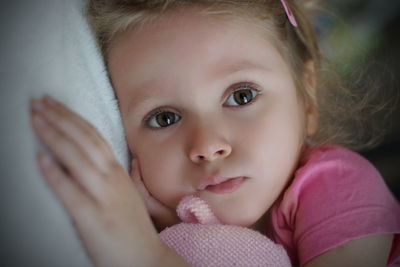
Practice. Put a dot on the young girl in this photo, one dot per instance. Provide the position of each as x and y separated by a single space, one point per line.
221 100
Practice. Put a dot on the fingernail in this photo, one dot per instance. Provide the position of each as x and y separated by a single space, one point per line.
39 121
44 159
37 105
49 100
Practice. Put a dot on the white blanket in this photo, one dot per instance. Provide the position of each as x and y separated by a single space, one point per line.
46 47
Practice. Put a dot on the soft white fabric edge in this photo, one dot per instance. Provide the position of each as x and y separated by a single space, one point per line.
46 48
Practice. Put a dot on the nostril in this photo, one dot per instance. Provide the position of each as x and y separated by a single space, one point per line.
221 152
209 154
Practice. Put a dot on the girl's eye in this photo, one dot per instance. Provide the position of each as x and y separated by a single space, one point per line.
162 119
241 96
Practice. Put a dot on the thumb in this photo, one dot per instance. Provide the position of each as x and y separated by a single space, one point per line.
154 206
135 171
137 178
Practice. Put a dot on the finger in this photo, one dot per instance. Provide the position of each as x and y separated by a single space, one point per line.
61 109
154 206
70 156
137 179
135 172
77 129
74 198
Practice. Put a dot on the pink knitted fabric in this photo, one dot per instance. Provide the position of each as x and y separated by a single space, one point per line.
192 209
203 241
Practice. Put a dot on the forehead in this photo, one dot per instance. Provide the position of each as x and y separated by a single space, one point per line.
188 47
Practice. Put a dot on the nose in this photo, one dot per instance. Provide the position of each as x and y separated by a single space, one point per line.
207 146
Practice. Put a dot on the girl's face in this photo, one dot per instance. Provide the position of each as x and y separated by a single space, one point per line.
210 109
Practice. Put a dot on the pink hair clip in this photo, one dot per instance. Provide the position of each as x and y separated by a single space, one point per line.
289 13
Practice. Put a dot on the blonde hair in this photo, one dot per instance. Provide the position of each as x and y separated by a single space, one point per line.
342 114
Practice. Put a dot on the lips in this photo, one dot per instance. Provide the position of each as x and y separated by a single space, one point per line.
221 185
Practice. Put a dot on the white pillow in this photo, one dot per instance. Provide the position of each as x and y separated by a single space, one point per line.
46 47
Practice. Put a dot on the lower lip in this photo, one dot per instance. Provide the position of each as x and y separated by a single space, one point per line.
228 186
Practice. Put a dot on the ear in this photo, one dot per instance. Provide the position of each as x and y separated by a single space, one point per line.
311 105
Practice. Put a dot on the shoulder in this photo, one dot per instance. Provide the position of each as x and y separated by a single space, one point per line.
336 196
334 159
334 177
341 182
327 168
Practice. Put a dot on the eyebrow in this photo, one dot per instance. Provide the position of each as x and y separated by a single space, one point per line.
144 99
216 73
243 65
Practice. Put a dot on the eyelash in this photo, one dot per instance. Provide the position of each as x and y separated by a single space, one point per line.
154 113
242 86
234 88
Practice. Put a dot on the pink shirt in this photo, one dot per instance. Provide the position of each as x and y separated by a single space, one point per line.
336 196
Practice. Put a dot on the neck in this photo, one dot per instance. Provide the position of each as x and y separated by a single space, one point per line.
262 225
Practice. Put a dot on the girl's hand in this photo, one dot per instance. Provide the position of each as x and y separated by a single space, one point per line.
96 191
162 215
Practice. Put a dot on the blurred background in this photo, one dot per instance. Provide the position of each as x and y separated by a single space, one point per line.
363 36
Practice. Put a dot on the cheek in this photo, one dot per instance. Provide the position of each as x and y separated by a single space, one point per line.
275 144
277 128
160 166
